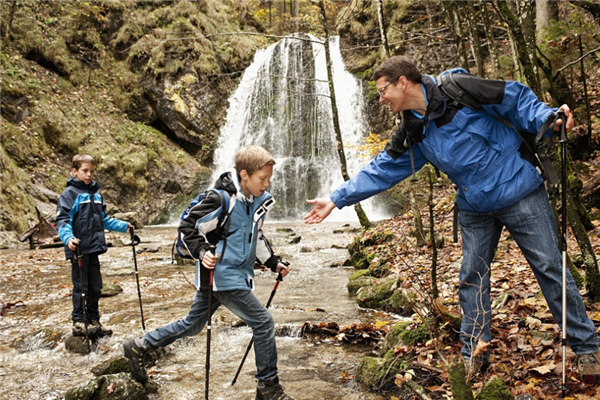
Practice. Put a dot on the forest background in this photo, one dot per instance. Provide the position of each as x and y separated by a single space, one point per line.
143 87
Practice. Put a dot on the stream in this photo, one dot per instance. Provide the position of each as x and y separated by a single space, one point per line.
314 291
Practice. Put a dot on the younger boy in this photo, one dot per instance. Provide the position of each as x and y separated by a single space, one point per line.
233 266
80 222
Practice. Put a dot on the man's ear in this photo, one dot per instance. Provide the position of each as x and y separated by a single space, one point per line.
244 174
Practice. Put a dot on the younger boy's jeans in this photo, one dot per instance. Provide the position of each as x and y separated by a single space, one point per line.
92 284
532 224
243 304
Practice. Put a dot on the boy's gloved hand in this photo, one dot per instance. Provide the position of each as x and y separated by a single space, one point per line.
283 268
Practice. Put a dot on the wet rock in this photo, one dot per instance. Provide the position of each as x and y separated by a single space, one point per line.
379 373
119 386
358 280
110 289
43 339
78 344
295 239
112 366
377 295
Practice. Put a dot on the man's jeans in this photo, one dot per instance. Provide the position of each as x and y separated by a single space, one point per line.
532 224
92 287
243 304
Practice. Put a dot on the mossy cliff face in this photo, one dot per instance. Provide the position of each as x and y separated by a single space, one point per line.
115 80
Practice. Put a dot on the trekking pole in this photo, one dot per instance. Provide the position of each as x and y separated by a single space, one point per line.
135 240
277 281
213 250
83 299
563 189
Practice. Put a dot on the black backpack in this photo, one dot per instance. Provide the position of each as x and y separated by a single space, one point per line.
219 233
532 149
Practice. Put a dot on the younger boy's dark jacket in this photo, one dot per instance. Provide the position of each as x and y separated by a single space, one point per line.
80 214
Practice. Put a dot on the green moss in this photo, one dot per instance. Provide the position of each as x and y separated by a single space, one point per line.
495 389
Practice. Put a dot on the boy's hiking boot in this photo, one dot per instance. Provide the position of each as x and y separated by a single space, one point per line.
135 355
79 329
270 389
589 364
102 331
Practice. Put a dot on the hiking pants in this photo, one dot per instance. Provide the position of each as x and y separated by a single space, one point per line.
92 286
532 224
242 303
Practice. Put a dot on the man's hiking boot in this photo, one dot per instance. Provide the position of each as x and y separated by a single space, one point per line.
589 364
135 355
270 389
79 329
102 331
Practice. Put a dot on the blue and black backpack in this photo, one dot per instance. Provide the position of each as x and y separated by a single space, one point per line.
214 237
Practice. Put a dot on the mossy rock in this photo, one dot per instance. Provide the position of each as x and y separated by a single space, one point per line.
495 389
110 289
359 260
119 386
376 295
380 373
43 339
112 366
406 333
355 285
401 302
359 274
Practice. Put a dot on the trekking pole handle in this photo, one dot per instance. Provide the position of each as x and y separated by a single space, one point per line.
279 276
560 114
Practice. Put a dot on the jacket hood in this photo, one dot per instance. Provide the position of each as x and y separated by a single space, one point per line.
228 182
92 187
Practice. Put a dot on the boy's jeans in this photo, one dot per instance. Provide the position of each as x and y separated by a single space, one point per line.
92 283
532 224
243 304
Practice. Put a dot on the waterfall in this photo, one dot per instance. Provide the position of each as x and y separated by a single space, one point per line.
283 105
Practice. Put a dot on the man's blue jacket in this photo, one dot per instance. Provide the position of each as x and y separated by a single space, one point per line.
478 153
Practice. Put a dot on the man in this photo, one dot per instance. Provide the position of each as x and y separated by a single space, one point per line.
496 187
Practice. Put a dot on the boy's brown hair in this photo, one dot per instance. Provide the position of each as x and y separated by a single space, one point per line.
252 158
80 159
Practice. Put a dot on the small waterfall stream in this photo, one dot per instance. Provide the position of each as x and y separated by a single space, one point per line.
283 104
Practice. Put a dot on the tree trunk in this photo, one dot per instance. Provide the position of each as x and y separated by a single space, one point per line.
491 42
362 217
382 29
520 23
545 12
451 8
296 14
472 17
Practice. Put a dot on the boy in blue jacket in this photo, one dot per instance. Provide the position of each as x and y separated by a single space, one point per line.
233 266
80 221
496 188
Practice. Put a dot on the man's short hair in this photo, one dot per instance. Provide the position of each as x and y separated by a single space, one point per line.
80 159
252 158
395 67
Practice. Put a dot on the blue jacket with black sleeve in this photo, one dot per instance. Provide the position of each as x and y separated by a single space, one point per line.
243 243
81 214
479 154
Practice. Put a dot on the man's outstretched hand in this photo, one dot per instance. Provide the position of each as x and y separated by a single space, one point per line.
322 208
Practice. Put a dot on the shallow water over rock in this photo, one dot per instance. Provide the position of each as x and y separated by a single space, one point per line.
34 368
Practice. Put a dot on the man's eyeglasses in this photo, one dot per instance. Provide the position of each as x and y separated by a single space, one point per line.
382 90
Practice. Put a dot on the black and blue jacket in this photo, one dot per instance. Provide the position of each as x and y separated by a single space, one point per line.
81 214
478 153
244 243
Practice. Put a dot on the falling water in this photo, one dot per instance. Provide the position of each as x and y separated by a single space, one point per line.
283 104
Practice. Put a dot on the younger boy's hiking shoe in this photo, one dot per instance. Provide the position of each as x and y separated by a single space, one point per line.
135 355
589 364
79 329
102 331
270 389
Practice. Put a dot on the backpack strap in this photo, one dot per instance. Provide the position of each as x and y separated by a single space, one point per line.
532 149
